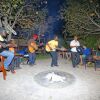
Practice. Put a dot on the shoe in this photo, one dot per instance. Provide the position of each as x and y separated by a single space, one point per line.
52 66
13 71
57 65
31 65
77 66
7 69
18 68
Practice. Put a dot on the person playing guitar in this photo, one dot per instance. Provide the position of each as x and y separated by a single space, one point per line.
51 47
32 47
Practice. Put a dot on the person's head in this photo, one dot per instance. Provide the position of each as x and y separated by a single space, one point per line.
75 38
56 38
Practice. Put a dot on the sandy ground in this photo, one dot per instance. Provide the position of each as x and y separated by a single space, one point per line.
22 86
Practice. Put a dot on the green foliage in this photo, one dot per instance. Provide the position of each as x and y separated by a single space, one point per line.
77 16
10 6
82 17
23 14
91 41
43 56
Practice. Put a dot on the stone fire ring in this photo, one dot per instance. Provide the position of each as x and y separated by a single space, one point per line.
58 79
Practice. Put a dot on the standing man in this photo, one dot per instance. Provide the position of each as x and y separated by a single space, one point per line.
51 47
32 47
75 56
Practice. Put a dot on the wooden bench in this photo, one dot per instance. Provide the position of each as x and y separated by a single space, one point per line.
2 69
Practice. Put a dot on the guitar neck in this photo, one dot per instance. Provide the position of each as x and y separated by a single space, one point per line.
3 45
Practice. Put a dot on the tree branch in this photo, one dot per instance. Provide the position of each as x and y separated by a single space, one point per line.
97 13
18 14
94 22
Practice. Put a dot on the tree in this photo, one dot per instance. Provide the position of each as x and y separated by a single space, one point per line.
81 17
26 14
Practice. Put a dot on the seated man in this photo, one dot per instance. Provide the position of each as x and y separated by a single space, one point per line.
16 60
86 54
97 55
3 49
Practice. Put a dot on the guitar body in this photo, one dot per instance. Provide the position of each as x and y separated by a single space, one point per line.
58 49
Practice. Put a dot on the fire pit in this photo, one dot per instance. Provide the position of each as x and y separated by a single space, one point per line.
54 79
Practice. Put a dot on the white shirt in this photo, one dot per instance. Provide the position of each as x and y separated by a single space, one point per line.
74 43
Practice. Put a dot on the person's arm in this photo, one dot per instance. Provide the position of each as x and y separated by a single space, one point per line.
12 45
72 45
29 43
35 46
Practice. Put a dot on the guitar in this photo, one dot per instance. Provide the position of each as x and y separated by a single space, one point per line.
49 49
3 45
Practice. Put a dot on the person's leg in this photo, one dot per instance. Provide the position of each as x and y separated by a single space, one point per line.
30 58
52 56
73 58
33 58
12 66
8 60
81 60
84 59
77 58
55 58
17 61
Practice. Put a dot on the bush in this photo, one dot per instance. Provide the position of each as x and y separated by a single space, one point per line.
91 41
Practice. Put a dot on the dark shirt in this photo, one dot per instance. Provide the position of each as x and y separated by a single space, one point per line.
3 47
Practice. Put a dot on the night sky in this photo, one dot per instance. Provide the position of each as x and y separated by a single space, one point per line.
54 26
54 6
53 11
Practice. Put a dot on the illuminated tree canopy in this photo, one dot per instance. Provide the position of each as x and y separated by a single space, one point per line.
81 16
28 15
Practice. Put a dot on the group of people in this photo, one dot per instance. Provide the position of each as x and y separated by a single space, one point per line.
7 49
79 53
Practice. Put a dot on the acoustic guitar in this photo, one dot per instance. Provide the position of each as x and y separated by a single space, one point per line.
49 49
